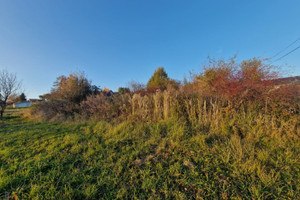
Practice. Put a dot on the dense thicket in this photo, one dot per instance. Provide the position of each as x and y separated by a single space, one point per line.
225 84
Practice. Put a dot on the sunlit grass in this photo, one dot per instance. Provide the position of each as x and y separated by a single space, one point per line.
233 157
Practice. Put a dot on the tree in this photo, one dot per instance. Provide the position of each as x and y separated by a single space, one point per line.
160 80
135 86
8 85
73 89
22 97
123 90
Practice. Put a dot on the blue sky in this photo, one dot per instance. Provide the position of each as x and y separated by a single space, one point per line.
117 41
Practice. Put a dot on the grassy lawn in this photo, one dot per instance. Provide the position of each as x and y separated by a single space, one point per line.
162 160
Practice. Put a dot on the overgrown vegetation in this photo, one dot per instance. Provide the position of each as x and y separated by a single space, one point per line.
232 132
226 84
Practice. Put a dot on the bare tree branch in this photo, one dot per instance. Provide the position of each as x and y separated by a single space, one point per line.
8 85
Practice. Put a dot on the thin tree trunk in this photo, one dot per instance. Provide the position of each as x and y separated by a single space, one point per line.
1 117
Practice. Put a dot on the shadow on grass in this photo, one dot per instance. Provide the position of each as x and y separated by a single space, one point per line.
9 117
215 139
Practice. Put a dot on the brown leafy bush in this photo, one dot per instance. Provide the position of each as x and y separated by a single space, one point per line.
284 99
105 107
53 110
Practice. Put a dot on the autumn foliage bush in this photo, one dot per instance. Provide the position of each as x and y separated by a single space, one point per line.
55 110
248 81
63 102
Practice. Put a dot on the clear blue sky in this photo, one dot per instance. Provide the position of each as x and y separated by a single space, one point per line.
116 41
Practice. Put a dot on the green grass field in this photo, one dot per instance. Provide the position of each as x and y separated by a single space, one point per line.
162 160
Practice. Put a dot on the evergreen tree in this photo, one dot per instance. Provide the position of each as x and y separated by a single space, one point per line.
158 80
22 97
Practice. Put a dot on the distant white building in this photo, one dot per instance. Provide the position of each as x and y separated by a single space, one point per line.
22 104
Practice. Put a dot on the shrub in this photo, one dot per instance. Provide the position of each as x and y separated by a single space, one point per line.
53 110
123 90
248 81
104 107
